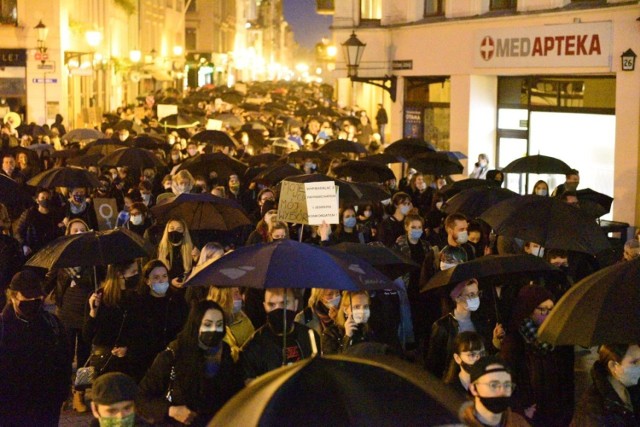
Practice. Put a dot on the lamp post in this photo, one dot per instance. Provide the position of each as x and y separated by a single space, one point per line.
43 32
353 49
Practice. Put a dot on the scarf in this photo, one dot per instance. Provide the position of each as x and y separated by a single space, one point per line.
529 331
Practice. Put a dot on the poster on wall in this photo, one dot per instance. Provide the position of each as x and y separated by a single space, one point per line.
413 123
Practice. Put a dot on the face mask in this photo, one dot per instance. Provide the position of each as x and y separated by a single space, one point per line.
465 366
136 219
350 222
333 302
404 209
131 282
438 205
570 186
310 166
29 309
44 203
275 318
541 192
539 252
361 316
127 421
175 157
446 265
172 140
237 305
483 163
175 237
367 214
160 288
196 189
123 137
211 338
234 187
627 376
415 234
102 190
473 304
77 209
462 238
78 199
146 198
496 405
538 319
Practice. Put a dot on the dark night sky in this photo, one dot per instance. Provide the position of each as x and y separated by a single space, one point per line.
308 26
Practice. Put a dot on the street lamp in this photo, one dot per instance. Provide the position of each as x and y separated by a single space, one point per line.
43 31
94 37
135 56
353 49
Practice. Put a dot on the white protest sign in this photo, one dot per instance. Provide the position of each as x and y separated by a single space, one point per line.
322 203
165 110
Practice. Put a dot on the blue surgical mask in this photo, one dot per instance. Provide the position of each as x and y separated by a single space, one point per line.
160 288
350 222
237 305
415 234
404 209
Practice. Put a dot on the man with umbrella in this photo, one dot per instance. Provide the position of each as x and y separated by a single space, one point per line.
263 352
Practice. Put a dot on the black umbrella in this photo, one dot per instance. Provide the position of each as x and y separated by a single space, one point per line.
135 158
151 142
123 124
256 138
364 171
216 137
232 97
179 121
548 222
90 249
450 190
67 153
351 193
306 154
603 308
82 134
384 158
229 119
409 147
222 164
85 161
343 146
202 212
276 173
588 196
474 201
263 159
13 196
436 163
104 146
343 390
64 177
537 164
391 263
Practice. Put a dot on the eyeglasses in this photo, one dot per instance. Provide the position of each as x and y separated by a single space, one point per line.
469 296
495 386
544 310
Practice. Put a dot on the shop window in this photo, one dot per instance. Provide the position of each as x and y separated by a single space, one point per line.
190 39
433 8
502 4
427 110
370 10
9 12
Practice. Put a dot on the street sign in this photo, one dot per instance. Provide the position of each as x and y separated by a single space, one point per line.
45 80
41 56
47 66
406 64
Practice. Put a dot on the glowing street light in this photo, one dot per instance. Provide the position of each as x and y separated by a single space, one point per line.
135 56
94 37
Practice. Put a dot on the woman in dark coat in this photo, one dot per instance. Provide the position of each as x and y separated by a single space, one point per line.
613 399
205 376
543 373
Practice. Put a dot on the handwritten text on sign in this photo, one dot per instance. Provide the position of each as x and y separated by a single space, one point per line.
292 206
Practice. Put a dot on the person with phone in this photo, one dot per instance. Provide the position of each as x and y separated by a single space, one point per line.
351 324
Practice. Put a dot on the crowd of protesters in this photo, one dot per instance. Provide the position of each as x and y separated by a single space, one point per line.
187 352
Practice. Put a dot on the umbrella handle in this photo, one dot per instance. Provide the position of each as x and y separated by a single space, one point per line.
95 279
301 231
495 303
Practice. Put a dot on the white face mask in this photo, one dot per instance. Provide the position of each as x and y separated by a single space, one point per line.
367 214
333 302
136 219
404 209
541 192
628 376
438 205
237 305
124 137
473 304
539 252
160 288
446 265
462 238
361 315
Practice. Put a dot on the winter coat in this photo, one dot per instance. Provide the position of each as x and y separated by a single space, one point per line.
600 405
71 295
335 341
36 230
509 419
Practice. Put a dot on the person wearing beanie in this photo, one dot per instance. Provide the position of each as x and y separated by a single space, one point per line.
113 402
544 373
269 216
492 388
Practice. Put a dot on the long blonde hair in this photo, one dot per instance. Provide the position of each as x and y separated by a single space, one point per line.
113 284
224 298
165 251
346 302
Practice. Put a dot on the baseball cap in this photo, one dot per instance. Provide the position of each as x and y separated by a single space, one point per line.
481 367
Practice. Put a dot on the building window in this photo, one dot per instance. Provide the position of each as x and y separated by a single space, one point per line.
190 38
192 6
427 110
8 12
370 10
433 8
502 4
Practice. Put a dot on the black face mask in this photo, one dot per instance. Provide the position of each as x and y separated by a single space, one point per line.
275 318
29 309
211 338
45 203
497 405
175 237
131 282
196 189
465 366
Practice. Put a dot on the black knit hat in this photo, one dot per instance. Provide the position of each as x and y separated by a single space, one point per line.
113 387
28 283
268 205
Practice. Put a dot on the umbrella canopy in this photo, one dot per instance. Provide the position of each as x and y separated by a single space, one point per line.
151 142
601 201
222 164
409 147
135 158
123 124
436 163
276 173
306 154
391 263
66 153
263 158
603 308
474 201
89 249
85 161
215 137
64 177
548 222
104 146
351 193
343 390
289 264
179 121
343 146
82 134
384 158
491 266
13 196
454 188
537 164
364 171
202 212
229 119
40 148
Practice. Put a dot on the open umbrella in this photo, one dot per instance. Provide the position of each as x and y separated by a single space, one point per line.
409 147
85 161
64 177
548 222
222 164
104 146
123 124
389 262
343 146
351 193
151 142
289 264
135 158
263 158
343 390
601 202
474 201
215 137
276 173
384 158
13 196
364 171
537 164
454 188
603 308
436 163
306 154
202 212
82 134
229 119
178 121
